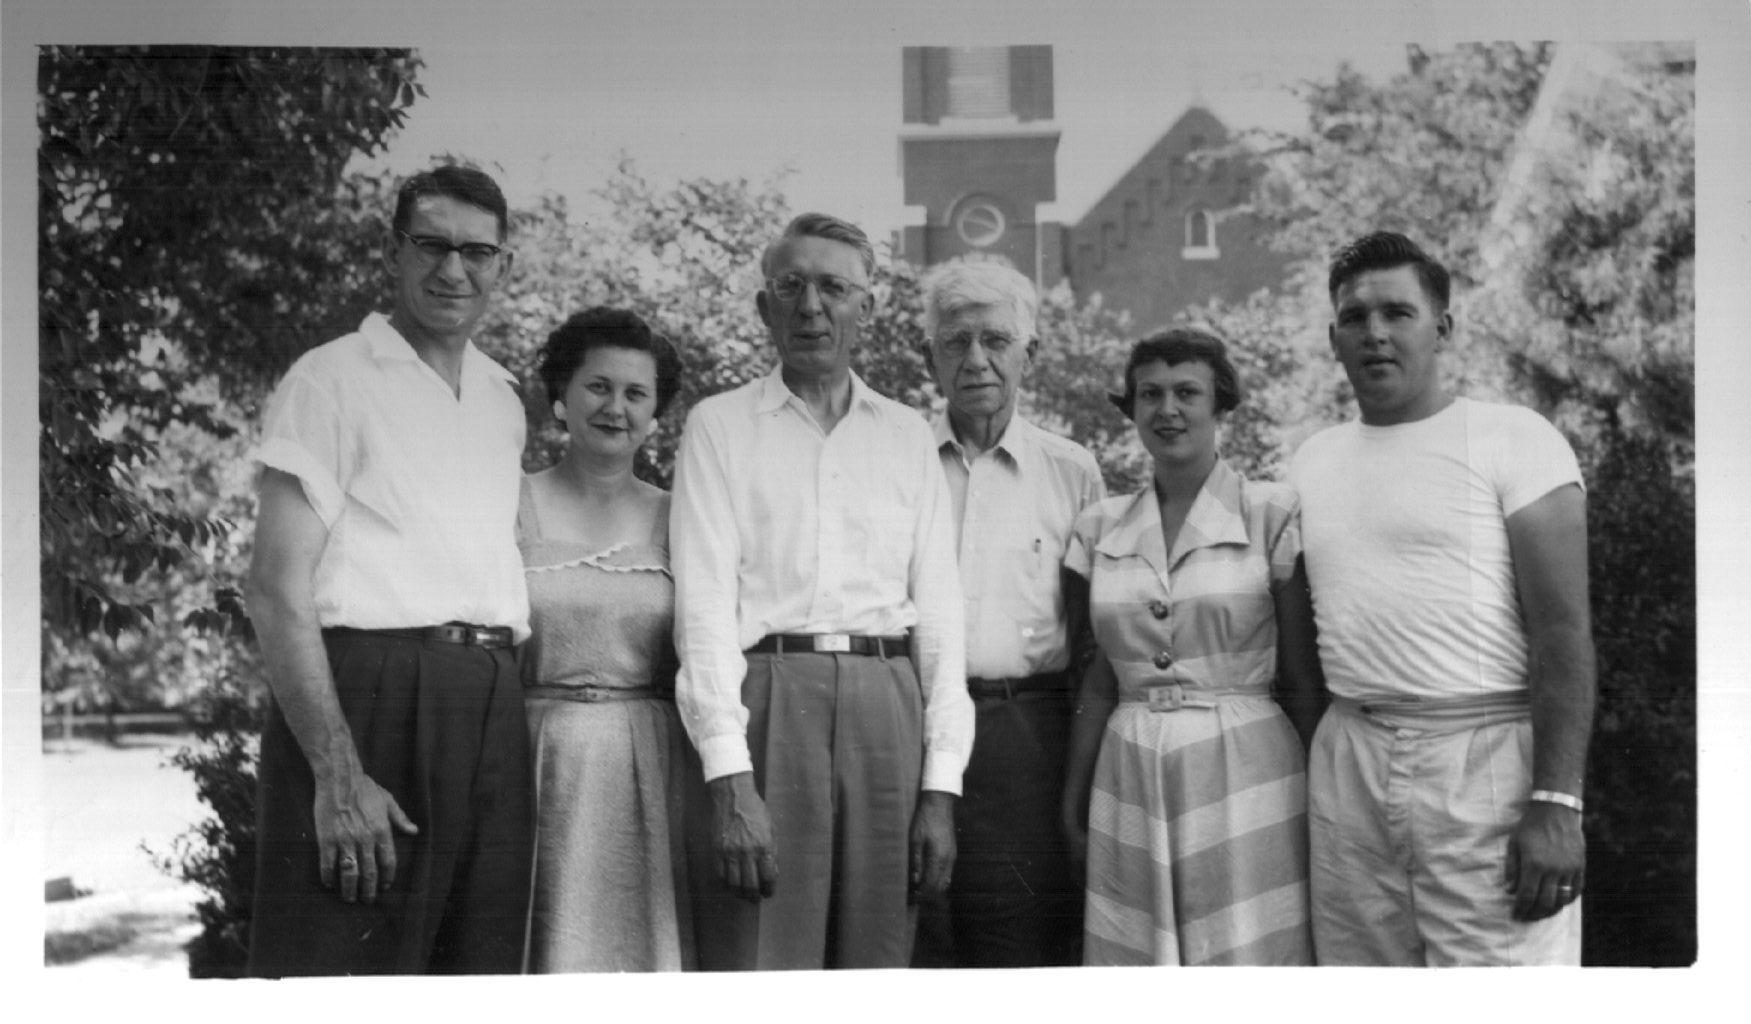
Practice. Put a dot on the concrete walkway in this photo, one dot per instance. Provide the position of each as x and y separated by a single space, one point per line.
104 808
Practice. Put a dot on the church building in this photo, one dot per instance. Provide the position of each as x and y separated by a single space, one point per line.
978 154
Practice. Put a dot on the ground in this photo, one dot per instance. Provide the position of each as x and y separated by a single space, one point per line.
101 804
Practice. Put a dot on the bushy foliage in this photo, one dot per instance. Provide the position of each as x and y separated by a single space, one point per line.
186 195
1583 310
1641 784
218 854
1567 214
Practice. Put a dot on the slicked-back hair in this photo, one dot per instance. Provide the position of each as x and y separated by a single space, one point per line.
463 184
1385 250
822 225
1182 345
952 287
606 327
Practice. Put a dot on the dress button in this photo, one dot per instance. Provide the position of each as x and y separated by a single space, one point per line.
1158 609
1163 660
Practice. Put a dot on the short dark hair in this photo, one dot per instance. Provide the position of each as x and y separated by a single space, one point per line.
1182 345
606 327
1384 250
463 184
822 225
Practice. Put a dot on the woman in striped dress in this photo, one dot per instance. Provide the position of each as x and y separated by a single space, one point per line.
1194 817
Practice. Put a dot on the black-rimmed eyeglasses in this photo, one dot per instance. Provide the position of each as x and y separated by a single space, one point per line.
476 256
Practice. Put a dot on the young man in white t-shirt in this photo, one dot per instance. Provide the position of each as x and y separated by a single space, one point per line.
1446 546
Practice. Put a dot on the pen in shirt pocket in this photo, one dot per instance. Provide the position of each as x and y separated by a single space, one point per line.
1036 545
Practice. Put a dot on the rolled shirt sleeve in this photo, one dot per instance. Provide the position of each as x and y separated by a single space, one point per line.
303 434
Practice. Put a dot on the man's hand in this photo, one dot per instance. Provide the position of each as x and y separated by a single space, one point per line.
741 836
353 838
933 843
1547 861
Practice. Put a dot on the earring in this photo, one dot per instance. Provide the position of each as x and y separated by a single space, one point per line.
559 411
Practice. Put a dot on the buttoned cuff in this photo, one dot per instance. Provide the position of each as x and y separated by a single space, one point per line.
942 772
724 755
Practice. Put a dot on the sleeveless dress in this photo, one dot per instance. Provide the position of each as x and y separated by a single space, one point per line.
610 759
1197 821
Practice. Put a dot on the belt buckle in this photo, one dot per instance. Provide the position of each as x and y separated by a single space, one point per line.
832 643
1166 698
478 636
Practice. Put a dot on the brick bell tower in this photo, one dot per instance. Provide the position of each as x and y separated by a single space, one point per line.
978 152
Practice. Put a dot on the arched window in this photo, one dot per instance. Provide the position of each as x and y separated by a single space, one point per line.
1200 235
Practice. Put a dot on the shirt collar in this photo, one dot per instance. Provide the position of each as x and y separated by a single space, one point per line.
387 344
1015 437
774 393
1214 519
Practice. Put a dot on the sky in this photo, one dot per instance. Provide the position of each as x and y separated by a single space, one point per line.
555 103
553 92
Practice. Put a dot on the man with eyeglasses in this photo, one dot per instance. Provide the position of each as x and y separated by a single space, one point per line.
818 620
394 799
1015 899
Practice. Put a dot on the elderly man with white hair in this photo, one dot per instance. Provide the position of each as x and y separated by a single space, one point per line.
1015 899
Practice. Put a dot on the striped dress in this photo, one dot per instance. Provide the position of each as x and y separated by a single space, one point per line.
1197 832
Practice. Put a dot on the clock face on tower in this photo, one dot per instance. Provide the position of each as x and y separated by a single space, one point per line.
980 223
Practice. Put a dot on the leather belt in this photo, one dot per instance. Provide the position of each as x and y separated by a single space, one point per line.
1008 688
449 633
832 643
597 694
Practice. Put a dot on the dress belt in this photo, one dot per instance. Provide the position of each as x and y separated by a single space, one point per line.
832 643
597 694
464 633
1008 688
1174 696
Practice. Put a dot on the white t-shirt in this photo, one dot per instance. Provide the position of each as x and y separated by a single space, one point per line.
1405 534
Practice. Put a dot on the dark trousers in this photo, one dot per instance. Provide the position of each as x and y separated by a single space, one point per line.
441 727
837 744
1014 900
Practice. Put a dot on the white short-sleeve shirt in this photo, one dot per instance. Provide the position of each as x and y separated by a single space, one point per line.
417 484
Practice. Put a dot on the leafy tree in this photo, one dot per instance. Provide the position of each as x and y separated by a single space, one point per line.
192 223
1559 186
195 234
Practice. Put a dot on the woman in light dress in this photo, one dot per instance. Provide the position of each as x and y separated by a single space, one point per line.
610 759
1193 820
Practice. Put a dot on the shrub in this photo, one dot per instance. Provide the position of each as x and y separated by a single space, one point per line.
1641 783
218 854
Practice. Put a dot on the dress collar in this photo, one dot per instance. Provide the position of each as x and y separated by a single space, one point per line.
1214 519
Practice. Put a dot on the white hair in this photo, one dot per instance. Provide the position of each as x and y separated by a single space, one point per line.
952 287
